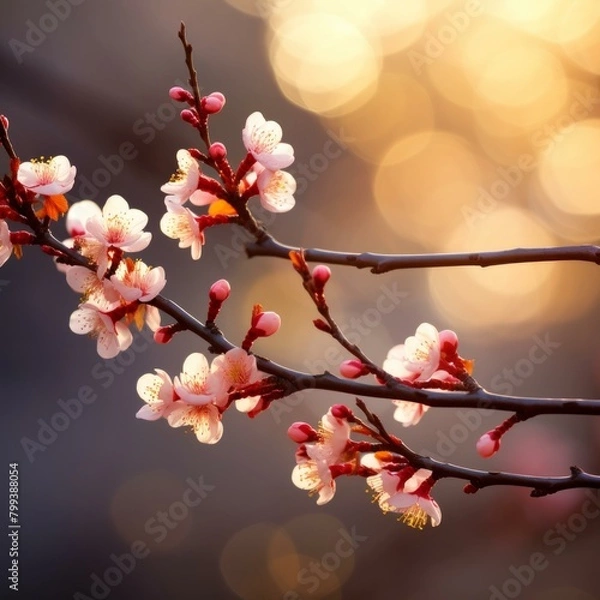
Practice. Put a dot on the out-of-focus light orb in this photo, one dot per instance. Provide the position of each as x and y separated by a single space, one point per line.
537 18
399 106
499 296
137 501
323 62
568 170
245 563
423 183
584 49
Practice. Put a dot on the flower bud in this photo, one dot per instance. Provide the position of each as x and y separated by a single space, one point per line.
213 103
448 341
487 445
190 116
178 94
5 122
217 151
321 275
267 323
352 369
219 291
163 335
341 411
301 433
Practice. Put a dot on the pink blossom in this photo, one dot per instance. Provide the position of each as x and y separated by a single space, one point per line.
181 223
196 384
236 369
6 246
112 337
276 190
48 176
78 215
100 292
158 394
263 140
409 413
118 227
183 185
135 280
205 420
406 492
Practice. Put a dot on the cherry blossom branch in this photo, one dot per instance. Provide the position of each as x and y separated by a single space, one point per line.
383 263
477 479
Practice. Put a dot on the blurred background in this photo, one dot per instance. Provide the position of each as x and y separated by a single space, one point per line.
418 126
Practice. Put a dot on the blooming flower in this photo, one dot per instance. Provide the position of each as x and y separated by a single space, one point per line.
276 190
418 358
113 337
263 140
47 176
78 215
183 185
118 227
196 384
405 491
6 246
181 223
236 369
94 289
205 420
135 280
313 471
158 393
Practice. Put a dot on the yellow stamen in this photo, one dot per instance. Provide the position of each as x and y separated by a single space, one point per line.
414 517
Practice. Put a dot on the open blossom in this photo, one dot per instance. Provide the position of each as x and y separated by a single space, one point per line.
6 246
135 280
156 390
78 215
47 176
263 140
183 185
91 287
314 461
236 369
180 223
118 227
418 358
404 491
112 336
276 190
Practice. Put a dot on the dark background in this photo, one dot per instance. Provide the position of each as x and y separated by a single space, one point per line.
94 84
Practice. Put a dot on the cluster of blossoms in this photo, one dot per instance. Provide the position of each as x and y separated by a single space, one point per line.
259 173
199 396
325 454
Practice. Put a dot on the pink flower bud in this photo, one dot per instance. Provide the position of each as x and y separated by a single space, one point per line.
321 275
213 103
341 411
488 445
301 433
267 323
190 116
217 151
219 290
5 122
448 341
178 94
163 335
352 369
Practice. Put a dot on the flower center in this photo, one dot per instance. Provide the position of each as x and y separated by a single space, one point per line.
414 517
